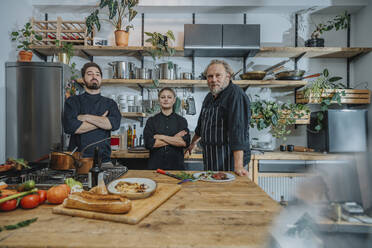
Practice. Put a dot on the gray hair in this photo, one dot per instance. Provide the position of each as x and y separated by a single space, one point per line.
227 67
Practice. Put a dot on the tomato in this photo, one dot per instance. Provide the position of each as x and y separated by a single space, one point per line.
42 195
8 205
30 201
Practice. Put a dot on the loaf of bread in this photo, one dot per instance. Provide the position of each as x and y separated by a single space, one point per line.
113 204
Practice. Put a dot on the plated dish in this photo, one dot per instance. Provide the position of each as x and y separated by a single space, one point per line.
132 188
211 176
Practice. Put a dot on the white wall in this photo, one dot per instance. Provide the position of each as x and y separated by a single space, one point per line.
362 73
276 30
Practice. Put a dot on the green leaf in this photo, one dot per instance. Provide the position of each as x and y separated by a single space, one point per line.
113 8
170 35
103 3
326 72
334 79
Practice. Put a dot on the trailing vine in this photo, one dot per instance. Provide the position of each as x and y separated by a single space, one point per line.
276 116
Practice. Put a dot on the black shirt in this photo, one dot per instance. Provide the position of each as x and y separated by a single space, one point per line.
223 126
94 105
167 157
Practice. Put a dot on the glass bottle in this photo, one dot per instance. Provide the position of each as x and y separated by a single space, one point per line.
134 136
129 137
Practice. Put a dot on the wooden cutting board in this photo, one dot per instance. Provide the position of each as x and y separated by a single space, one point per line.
140 208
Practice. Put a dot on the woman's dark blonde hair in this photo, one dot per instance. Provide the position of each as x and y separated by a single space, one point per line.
168 89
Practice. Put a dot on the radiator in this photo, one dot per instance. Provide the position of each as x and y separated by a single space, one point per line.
276 187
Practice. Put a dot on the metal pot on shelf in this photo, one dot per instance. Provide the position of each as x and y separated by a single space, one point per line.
143 73
166 71
122 69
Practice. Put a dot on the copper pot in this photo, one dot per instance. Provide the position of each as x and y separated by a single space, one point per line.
63 160
85 165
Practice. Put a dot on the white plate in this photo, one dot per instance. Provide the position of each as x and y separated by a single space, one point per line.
230 177
151 187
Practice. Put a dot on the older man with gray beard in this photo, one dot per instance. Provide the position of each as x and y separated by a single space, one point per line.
223 125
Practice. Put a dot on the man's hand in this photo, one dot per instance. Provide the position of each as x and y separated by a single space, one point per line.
240 171
189 149
180 133
105 114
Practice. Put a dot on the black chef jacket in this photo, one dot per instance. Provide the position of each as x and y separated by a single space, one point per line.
223 126
167 157
94 105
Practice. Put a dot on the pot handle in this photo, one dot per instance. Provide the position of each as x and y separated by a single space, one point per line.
110 64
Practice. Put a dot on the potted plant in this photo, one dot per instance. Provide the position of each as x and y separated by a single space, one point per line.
120 14
339 22
160 48
67 51
277 116
324 90
24 37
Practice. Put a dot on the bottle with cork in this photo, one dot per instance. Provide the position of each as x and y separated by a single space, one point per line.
129 136
134 136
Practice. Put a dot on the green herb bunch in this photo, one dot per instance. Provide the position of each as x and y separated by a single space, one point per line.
278 117
25 36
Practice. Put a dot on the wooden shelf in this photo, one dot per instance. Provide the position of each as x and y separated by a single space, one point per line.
138 51
86 51
133 114
312 52
203 83
351 96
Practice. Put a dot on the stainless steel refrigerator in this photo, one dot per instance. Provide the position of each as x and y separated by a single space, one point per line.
34 107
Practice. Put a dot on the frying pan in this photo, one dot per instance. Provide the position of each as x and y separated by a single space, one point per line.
253 75
294 75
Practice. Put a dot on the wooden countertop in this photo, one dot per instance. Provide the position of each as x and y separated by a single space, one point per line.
126 154
266 155
300 156
201 214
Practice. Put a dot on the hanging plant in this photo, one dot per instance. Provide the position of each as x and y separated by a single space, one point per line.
278 117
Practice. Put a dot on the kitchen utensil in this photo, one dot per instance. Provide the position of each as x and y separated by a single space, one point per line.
186 75
167 71
253 75
142 73
247 66
63 160
122 69
149 190
140 208
271 68
190 105
294 75
168 174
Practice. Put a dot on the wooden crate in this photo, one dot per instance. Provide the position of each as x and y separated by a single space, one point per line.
305 119
351 96
65 31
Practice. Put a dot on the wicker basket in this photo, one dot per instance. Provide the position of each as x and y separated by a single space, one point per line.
65 31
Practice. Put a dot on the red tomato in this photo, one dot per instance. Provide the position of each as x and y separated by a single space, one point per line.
30 201
8 205
42 195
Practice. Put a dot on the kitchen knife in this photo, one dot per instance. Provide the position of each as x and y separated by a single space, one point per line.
168 174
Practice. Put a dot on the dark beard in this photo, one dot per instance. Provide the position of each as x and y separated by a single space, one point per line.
93 86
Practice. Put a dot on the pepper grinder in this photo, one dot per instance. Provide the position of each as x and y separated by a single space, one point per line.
95 172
